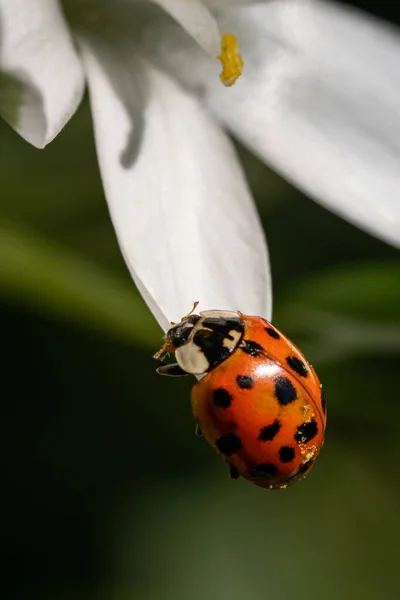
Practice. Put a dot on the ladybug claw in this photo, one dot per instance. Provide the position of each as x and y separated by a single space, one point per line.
233 472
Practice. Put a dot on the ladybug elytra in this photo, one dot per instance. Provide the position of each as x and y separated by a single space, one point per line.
258 401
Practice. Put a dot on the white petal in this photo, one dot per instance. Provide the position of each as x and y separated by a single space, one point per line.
180 205
318 99
42 77
218 4
196 19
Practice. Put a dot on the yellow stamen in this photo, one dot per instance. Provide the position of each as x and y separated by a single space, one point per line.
231 60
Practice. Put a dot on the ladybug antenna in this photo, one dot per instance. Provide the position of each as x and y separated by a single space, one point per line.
195 305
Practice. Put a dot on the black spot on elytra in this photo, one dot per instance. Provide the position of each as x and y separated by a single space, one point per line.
233 472
222 398
252 348
229 444
273 333
245 382
306 466
286 454
268 432
264 470
284 390
297 365
306 432
323 403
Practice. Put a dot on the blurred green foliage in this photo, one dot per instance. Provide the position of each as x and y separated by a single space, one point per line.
106 493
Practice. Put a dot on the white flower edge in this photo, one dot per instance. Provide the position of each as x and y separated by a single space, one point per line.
318 101
179 202
43 82
322 107
197 20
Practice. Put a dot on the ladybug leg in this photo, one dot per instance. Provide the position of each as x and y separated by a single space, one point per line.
198 431
165 348
172 370
233 472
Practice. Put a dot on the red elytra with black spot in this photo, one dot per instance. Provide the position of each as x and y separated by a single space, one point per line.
261 405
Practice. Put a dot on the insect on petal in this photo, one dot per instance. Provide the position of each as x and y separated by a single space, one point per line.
183 214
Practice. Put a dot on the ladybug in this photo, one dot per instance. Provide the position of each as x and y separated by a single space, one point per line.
258 401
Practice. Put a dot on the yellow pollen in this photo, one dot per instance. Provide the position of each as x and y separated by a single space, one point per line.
231 60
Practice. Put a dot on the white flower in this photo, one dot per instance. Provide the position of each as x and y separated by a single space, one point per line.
318 100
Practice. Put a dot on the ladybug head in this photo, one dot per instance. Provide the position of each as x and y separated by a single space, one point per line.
179 333
202 341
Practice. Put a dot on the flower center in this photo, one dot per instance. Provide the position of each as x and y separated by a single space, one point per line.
231 60
124 19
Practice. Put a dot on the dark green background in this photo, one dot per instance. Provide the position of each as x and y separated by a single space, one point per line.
106 493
